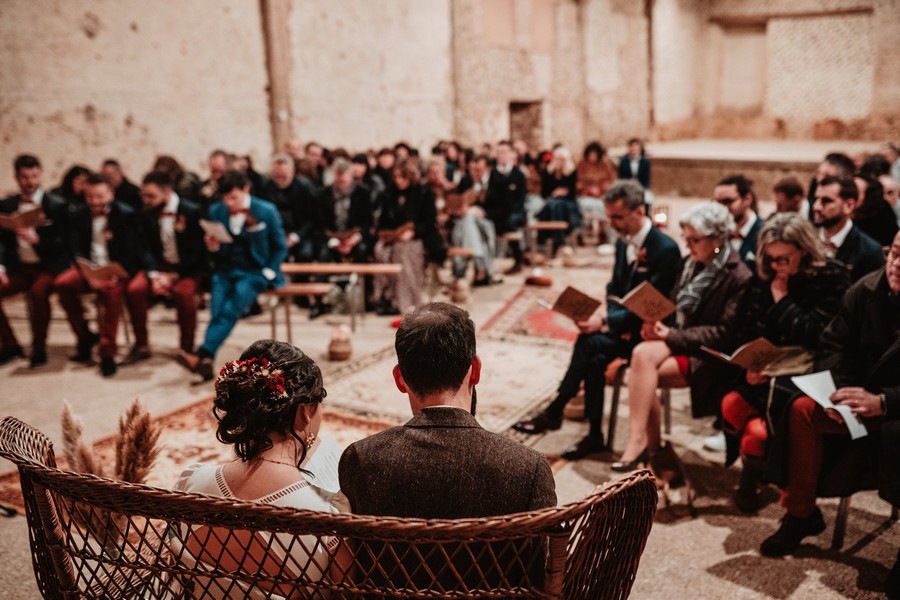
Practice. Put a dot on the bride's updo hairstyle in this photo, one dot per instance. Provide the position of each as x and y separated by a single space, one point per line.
258 395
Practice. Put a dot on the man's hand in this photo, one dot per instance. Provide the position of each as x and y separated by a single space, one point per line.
592 325
407 235
212 244
28 234
756 377
655 331
860 401
779 287
161 285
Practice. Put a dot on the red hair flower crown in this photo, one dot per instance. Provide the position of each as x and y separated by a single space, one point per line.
258 370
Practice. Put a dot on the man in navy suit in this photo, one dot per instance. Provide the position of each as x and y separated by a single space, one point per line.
736 194
243 268
836 199
643 253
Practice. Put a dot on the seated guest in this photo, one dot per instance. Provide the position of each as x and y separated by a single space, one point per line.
558 187
711 283
173 234
268 407
294 197
346 218
218 162
859 349
243 268
736 194
594 174
31 257
471 228
635 164
834 164
409 205
836 199
124 190
643 253
184 183
442 464
873 214
71 189
788 196
504 201
795 293
104 231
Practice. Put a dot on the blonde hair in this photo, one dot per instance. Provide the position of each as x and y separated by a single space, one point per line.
789 228
568 162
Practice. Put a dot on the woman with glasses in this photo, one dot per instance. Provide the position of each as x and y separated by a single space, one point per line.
794 295
709 287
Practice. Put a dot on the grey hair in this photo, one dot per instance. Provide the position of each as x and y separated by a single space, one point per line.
710 220
630 192
341 165
282 158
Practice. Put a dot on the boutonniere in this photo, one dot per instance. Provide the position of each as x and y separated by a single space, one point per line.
641 256
107 234
181 224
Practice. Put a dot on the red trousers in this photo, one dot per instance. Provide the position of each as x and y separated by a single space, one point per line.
69 287
807 427
38 284
184 294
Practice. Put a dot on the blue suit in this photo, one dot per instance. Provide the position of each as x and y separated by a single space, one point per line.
238 275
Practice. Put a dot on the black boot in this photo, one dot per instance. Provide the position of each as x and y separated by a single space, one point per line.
746 496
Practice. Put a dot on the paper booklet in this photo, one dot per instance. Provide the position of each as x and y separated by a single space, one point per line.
819 386
646 302
575 304
454 203
217 230
763 355
97 276
391 235
324 463
23 220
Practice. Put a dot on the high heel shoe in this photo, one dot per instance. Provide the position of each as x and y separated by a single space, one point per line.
624 467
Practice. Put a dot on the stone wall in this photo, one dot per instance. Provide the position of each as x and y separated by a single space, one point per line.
83 81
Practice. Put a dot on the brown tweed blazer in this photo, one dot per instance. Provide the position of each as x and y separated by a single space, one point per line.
443 464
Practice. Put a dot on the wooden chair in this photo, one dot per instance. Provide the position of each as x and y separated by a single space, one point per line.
93 537
665 397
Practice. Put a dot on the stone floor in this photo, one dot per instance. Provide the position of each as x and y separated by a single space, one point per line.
711 556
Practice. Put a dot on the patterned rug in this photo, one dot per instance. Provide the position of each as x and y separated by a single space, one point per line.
525 315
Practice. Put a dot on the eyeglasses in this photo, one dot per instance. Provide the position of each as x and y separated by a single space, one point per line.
777 260
889 255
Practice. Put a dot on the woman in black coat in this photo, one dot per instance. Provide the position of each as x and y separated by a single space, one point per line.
709 287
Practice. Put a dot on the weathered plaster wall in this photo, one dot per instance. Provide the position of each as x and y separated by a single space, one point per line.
82 81
371 73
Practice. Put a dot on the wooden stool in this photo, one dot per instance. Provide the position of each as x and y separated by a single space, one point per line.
285 295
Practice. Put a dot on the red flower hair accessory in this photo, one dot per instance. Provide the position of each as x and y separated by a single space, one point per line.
258 370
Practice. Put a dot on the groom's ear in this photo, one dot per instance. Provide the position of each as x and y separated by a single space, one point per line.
398 380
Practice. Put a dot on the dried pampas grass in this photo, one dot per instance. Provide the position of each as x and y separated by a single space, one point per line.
136 444
79 455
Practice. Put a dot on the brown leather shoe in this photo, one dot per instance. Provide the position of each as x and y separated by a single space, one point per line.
188 360
538 424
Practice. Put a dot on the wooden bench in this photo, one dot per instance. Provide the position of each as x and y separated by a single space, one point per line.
93 537
532 229
354 270
285 296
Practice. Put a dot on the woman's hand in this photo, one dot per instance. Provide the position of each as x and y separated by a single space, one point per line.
756 377
779 287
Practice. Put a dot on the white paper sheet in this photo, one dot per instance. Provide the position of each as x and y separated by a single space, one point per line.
820 386
217 230
324 463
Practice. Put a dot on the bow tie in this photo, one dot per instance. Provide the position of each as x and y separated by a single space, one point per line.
26 200
239 211
737 236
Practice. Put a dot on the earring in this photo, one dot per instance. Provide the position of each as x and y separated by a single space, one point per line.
717 250
310 440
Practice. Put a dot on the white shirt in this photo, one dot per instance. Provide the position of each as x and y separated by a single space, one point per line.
636 241
744 231
236 222
99 251
167 230
27 253
804 209
635 164
837 239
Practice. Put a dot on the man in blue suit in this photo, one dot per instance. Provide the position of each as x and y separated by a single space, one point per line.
243 268
735 193
643 253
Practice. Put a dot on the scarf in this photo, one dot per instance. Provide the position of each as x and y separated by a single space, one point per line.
695 280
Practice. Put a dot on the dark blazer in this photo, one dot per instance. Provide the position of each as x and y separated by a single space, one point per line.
296 204
443 464
860 254
53 248
551 181
748 246
504 201
360 210
129 194
643 172
192 252
417 207
657 262
125 241
712 324
265 235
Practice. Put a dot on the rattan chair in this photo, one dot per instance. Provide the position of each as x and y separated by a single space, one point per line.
93 537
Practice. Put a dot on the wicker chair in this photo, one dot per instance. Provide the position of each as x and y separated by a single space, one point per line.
93 537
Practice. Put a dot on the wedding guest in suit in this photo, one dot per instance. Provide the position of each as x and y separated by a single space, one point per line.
184 183
635 164
736 194
124 190
295 199
243 268
346 217
71 189
710 285
836 199
472 229
31 257
172 228
104 231
788 196
442 463
797 290
268 407
218 162
504 201
643 253
834 164
873 215
860 349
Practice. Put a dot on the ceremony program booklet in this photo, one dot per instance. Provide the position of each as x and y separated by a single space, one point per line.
23 220
97 276
820 386
324 463
217 230
646 302
391 235
341 235
575 304
763 355
455 203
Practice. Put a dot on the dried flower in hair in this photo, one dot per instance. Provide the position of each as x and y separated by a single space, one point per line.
255 370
